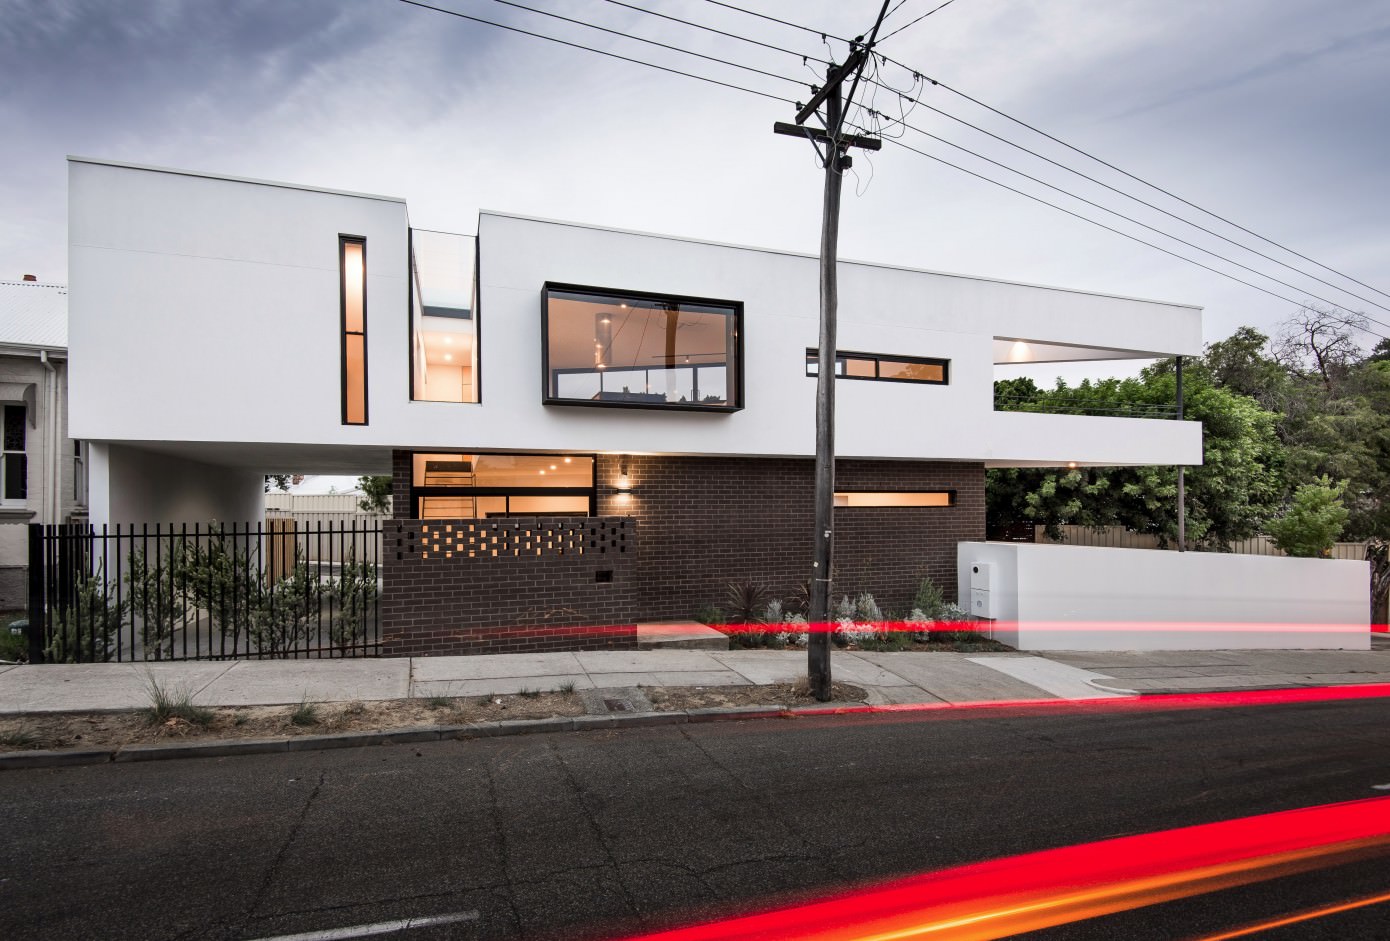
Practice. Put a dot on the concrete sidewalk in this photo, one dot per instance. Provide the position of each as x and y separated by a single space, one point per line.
908 677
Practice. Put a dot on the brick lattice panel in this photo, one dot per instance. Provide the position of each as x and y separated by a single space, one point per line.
508 586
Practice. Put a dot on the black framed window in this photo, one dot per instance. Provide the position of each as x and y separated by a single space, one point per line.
631 350
448 485
352 272
894 498
878 367
14 465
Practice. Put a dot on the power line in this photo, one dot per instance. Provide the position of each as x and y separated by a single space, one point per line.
710 29
650 42
773 19
1134 238
1137 179
611 55
916 21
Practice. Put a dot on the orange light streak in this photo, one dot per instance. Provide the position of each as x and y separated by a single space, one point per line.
1308 915
1004 897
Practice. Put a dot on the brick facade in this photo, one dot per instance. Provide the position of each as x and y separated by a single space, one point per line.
507 586
690 527
706 522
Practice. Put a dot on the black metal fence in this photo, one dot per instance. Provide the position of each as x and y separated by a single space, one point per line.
256 591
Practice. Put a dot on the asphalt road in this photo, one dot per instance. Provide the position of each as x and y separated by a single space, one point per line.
586 835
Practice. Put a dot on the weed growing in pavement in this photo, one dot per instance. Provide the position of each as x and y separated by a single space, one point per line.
528 692
567 687
306 713
167 704
438 702
20 737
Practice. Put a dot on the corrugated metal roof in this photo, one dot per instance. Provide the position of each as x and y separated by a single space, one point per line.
34 314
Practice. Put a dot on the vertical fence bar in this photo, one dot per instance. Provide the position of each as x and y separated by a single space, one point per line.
35 631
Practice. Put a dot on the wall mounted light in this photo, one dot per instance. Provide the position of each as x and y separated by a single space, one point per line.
624 482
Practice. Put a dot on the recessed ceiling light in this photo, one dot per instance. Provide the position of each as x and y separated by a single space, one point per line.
569 460
553 467
448 357
449 340
542 473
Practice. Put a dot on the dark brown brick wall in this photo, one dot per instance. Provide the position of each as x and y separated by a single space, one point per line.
706 522
507 586
703 523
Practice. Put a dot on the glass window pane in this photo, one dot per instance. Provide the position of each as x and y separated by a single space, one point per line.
640 351
442 268
355 379
895 499
14 427
353 286
549 506
16 485
859 368
914 372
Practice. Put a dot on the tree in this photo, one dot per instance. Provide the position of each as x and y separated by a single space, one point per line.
1313 522
376 494
1320 342
282 482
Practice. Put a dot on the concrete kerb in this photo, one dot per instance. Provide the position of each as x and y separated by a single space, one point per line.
430 733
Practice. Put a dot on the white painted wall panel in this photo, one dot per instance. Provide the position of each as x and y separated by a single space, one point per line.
1088 598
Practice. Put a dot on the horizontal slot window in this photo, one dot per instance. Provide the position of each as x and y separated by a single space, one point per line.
894 498
484 486
613 348
883 368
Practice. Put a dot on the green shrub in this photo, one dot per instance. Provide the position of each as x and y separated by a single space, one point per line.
1314 520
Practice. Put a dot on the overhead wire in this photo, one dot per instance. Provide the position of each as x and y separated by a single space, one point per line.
916 21
874 113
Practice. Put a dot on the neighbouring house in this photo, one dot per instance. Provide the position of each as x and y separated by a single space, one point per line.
42 477
586 427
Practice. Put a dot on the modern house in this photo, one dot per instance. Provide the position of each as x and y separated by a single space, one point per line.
42 477
586 427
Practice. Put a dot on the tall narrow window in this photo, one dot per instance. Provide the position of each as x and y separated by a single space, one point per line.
444 317
13 464
352 263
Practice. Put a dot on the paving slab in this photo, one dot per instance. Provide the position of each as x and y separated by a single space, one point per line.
493 666
498 685
855 668
766 666
275 682
7 666
648 661
950 677
714 678
1201 683
1100 660
1059 679
86 686
906 695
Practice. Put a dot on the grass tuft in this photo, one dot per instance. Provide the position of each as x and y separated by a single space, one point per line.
438 702
167 704
19 738
567 687
529 693
306 713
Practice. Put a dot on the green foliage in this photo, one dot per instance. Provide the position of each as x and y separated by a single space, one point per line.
744 601
157 590
353 593
280 619
85 632
376 493
929 603
1313 522
222 581
305 714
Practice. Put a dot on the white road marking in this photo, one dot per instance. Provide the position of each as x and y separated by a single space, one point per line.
381 927
1059 679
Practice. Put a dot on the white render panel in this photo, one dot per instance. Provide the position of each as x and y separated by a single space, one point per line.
206 310
1050 597
133 486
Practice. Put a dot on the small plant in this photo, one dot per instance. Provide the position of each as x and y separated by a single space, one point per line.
745 601
437 702
177 704
528 692
710 614
1314 521
20 737
567 688
305 714
354 708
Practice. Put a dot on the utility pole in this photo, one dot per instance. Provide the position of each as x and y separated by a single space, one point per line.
1182 481
836 161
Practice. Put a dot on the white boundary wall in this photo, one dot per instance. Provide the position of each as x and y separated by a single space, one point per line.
1048 597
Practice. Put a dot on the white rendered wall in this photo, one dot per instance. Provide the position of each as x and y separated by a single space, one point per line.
1050 597
132 486
207 310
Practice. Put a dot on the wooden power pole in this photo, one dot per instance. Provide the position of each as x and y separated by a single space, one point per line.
836 160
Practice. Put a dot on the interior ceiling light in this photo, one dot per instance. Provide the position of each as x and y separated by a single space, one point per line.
448 357
569 460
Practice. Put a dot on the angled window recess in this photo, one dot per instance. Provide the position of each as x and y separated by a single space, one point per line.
352 272
443 317
895 498
483 486
883 368
630 350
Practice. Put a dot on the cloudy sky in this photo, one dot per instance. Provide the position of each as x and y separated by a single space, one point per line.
1273 113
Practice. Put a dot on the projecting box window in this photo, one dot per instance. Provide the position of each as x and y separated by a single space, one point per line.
352 265
880 368
895 498
615 348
